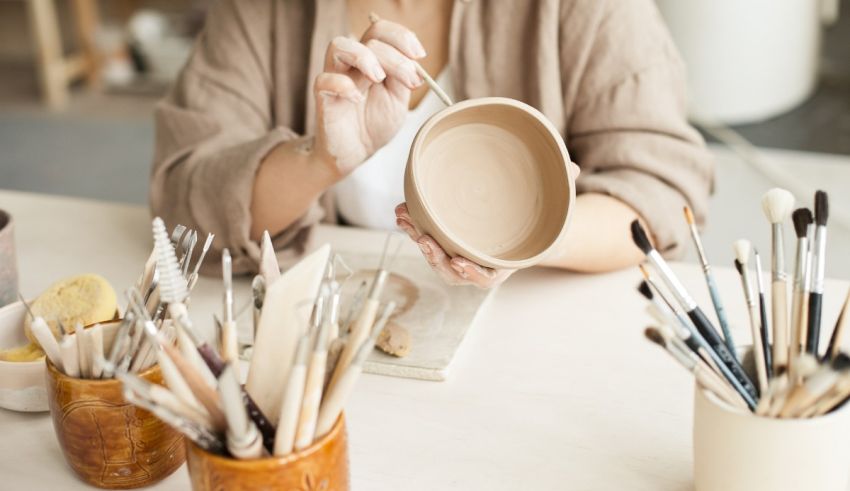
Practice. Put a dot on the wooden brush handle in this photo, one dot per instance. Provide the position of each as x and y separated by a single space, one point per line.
779 304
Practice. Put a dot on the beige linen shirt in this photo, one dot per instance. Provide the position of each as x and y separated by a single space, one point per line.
605 72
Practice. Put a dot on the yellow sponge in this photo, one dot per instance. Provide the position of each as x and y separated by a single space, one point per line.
83 299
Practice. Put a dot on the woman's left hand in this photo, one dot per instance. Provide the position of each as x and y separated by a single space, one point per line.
454 270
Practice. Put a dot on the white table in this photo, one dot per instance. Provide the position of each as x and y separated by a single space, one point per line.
555 387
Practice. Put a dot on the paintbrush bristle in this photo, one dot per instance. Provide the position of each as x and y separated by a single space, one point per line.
821 208
172 283
689 215
655 336
743 248
802 218
739 267
644 271
640 238
777 205
645 290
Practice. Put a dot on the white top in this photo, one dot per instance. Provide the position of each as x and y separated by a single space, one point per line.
368 196
552 389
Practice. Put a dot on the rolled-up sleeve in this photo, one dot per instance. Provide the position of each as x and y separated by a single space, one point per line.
214 129
629 130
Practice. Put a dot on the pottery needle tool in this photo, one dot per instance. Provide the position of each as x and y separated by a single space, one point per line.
229 342
243 439
818 265
833 350
709 279
269 267
704 375
432 84
743 250
699 319
193 277
777 205
287 425
802 219
44 336
96 340
765 329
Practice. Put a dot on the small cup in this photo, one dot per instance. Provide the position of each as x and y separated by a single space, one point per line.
8 260
321 466
735 450
108 442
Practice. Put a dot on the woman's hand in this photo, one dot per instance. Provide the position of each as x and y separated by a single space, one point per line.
363 95
454 270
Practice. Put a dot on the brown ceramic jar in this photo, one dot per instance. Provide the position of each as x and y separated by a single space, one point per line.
108 442
322 466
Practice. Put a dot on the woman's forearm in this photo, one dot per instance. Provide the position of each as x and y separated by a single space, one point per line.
287 183
598 239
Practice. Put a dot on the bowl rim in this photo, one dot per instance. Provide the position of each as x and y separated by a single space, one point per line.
455 241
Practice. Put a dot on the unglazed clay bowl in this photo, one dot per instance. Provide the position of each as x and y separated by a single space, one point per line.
21 382
321 466
108 442
488 179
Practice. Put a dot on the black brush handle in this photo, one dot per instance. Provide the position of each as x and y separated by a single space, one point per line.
705 328
813 338
265 427
765 337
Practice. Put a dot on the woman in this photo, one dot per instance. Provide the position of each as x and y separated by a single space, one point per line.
282 118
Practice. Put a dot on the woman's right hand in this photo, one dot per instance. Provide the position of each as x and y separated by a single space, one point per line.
362 97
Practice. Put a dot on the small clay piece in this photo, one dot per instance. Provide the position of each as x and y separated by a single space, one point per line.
394 340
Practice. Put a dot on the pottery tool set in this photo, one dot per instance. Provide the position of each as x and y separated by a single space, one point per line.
793 376
305 361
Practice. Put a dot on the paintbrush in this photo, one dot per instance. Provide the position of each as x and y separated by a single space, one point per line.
709 279
819 266
229 343
287 425
765 329
777 205
243 439
704 375
742 253
803 396
432 84
802 218
685 329
696 315
834 348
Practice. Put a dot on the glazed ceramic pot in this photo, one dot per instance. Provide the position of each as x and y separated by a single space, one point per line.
21 382
488 179
735 450
322 466
8 261
108 442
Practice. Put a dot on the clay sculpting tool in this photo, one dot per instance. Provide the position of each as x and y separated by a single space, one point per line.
763 321
83 351
243 439
313 385
709 279
696 315
269 267
97 359
193 277
802 219
161 396
42 333
287 425
777 205
743 250
229 342
818 265
70 356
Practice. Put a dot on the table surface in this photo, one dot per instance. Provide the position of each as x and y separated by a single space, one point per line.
554 388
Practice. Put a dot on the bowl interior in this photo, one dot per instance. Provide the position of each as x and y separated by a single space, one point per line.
493 177
12 326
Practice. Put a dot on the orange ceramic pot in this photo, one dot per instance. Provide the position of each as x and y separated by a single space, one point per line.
108 442
322 466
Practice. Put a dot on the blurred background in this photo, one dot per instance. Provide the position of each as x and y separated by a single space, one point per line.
769 87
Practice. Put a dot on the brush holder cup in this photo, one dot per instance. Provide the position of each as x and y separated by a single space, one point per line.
735 450
488 179
321 466
108 442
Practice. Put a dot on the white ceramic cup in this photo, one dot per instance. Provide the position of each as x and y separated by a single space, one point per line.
735 450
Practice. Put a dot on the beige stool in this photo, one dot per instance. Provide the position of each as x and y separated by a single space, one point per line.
56 71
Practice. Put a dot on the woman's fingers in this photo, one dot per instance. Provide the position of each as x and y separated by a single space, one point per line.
344 53
397 36
478 275
337 85
439 260
395 64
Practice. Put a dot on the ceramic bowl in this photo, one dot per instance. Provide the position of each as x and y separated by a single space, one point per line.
21 383
321 466
488 180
